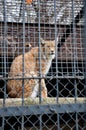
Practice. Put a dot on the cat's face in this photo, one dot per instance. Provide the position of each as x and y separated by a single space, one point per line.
48 48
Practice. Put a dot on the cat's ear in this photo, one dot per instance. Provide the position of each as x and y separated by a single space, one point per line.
42 41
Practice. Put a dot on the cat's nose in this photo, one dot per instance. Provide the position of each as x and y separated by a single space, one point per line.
52 51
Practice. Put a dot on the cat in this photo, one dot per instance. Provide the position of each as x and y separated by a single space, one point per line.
31 70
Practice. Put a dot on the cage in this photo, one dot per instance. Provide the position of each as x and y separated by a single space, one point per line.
42 65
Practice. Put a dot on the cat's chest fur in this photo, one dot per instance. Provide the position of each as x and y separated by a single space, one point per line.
45 64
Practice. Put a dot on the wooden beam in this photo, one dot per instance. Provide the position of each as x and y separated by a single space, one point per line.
28 101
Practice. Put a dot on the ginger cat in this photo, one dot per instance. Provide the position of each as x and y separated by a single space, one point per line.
31 70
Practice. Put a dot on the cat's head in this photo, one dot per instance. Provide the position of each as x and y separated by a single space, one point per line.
48 47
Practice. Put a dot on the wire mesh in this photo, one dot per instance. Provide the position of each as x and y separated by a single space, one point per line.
42 65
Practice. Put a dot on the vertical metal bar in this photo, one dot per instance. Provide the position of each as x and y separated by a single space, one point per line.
84 46
56 53
77 121
84 55
74 61
40 122
39 59
56 59
74 49
5 49
39 53
23 52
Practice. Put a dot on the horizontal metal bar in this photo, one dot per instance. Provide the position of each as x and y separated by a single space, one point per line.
43 109
41 24
42 77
